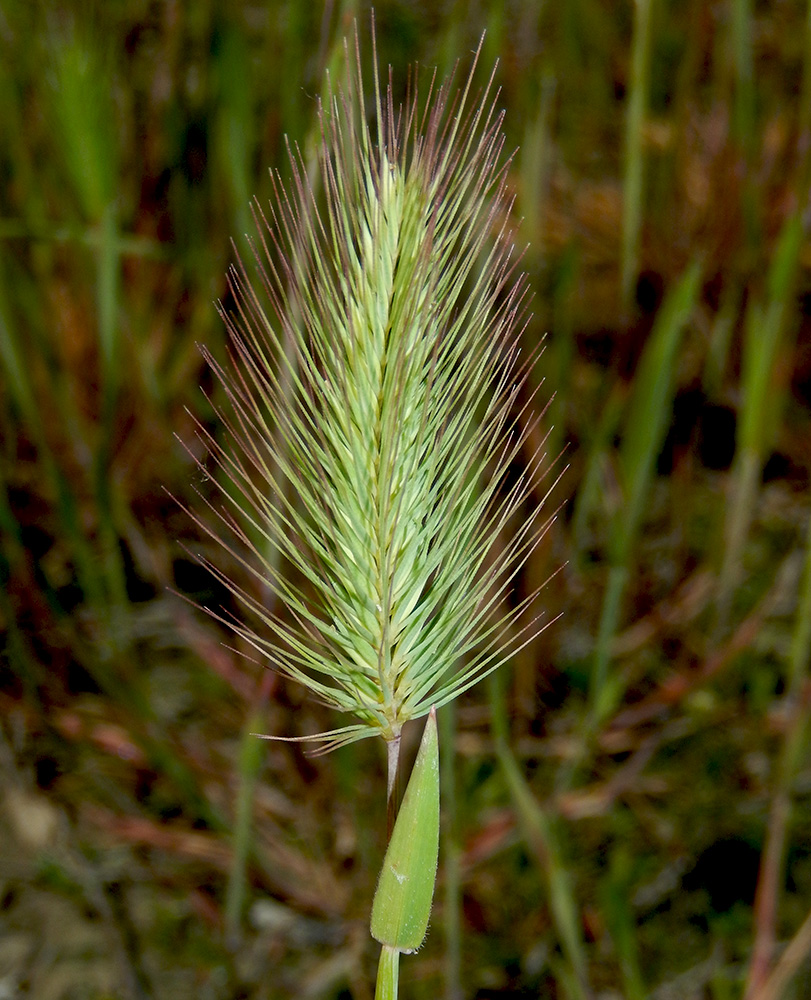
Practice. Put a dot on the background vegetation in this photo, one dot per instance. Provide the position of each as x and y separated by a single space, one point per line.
627 813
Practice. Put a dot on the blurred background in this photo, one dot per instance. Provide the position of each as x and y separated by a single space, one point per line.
627 810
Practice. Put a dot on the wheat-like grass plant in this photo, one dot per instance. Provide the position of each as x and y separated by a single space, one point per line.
376 407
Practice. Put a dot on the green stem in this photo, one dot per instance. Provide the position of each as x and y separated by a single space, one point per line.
603 694
388 973
251 757
739 516
393 783
451 850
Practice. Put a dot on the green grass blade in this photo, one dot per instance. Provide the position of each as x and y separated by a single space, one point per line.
405 889
744 118
15 367
590 494
235 127
633 194
649 410
536 157
615 893
723 328
84 118
765 331
561 350
745 126
251 758
645 426
108 297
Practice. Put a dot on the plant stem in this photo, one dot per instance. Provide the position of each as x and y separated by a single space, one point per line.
451 851
388 974
392 784
251 757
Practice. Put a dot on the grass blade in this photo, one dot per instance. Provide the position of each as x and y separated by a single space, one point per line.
645 426
633 194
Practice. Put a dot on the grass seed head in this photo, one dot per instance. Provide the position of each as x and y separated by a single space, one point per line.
370 417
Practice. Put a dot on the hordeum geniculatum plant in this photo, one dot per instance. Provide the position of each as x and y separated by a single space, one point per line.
376 411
